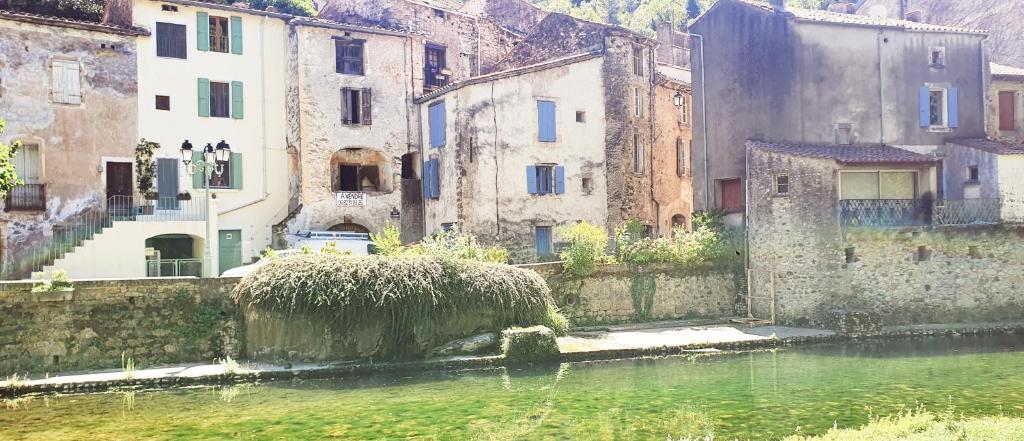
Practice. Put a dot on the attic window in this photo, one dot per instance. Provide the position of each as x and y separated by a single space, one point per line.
844 134
937 56
169 8
438 13
972 173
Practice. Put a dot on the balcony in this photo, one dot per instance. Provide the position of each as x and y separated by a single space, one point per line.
917 212
27 197
163 209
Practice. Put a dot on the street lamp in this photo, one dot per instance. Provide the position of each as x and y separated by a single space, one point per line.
677 99
207 166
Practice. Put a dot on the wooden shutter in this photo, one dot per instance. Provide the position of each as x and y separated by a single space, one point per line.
57 78
1007 111
237 104
367 101
546 121
236 171
26 164
426 179
559 179
197 178
436 120
732 194
435 179
236 35
202 31
531 179
346 105
73 82
204 97
924 107
953 108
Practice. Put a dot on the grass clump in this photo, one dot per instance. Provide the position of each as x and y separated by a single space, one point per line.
922 425
586 247
529 345
450 246
59 281
409 296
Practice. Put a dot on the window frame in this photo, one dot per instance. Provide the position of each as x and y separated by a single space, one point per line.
973 173
218 39
940 62
166 100
638 60
227 99
782 184
540 171
943 107
342 59
167 26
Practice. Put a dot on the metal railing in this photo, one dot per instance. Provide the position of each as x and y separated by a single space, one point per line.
163 209
917 212
26 197
174 268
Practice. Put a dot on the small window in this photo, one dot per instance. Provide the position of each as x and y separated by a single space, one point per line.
937 57
438 13
684 110
163 102
638 154
545 179
220 100
219 34
222 180
170 41
449 226
972 173
169 8
588 184
937 107
638 60
581 116
844 134
356 106
782 184
348 57
638 102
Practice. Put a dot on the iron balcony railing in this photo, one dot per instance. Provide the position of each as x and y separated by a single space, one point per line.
163 209
26 197
174 268
917 212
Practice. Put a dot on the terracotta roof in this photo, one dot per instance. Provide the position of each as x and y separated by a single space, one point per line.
47 20
988 145
999 70
846 154
820 16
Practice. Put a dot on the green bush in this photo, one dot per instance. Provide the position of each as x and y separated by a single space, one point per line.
388 242
586 246
556 321
59 281
452 245
409 295
704 244
529 345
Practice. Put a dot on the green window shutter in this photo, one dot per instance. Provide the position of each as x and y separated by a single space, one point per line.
236 171
202 31
197 178
236 35
237 108
204 97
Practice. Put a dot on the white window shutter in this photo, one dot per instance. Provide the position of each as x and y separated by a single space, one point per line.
57 81
74 86
66 82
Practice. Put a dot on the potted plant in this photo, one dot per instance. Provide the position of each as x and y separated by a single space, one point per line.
184 196
145 173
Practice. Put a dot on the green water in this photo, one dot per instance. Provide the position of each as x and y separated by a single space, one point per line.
754 395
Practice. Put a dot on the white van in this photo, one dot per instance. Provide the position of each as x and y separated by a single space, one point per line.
356 244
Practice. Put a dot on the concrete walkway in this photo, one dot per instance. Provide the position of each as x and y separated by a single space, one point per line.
675 336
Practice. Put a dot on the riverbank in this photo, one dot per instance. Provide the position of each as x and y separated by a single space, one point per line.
613 342
927 426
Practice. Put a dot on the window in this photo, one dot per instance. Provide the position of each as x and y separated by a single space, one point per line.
543 237
638 154
163 102
638 102
844 134
546 121
170 40
449 226
26 163
348 57
732 194
220 96
169 8
545 179
222 180
220 36
680 158
438 13
678 221
581 116
355 106
937 56
435 68
1007 110
355 177
638 60
938 107
972 173
66 82
878 185
588 184
436 119
782 184
684 110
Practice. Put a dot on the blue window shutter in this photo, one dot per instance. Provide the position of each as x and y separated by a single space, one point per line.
546 121
435 179
237 105
953 112
236 35
204 97
531 179
543 241
924 106
202 31
559 179
435 117
426 179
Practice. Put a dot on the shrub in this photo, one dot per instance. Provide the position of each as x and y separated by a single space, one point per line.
529 345
701 245
408 295
452 245
586 245
556 321
388 242
712 219
59 281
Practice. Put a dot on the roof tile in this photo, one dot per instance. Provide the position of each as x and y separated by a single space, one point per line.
846 154
1006 71
820 16
988 145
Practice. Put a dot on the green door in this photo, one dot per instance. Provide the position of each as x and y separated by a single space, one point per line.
230 252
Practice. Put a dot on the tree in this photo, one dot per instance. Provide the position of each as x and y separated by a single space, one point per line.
8 175
92 10
692 9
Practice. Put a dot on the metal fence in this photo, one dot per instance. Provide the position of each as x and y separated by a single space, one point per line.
967 211
917 212
26 197
174 267
163 209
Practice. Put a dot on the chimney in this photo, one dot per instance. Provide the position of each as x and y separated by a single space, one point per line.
778 5
842 7
118 13
913 16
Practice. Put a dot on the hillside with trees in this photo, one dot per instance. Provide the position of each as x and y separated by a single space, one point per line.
92 10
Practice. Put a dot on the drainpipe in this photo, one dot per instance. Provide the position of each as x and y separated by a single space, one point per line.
704 120
650 118
881 92
419 128
984 83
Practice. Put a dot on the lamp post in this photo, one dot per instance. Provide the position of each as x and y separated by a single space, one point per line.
207 167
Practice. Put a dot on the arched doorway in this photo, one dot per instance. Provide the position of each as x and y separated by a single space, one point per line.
349 228
174 255
677 221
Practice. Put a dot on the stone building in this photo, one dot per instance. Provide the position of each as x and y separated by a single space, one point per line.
770 72
565 128
1005 113
69 95
673 171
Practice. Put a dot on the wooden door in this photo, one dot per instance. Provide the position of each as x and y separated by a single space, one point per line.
119 188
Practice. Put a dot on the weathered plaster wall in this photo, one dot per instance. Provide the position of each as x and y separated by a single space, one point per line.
556 36
813 76
992 108
1011 187
389 64
673 187
152 321
72 139
492 136
955 161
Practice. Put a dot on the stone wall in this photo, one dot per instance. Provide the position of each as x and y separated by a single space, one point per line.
154 321
619 294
